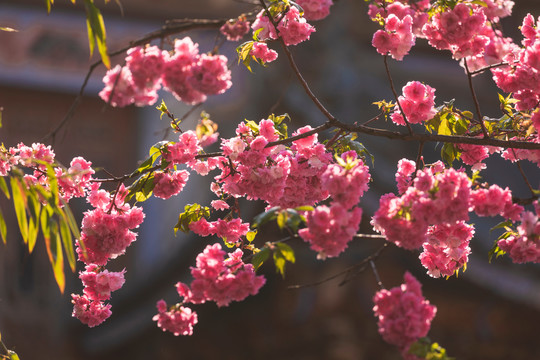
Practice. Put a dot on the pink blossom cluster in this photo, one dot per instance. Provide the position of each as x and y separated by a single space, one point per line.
89 312
447 248
459 30
522 74
524 154
474 155
417 10
397 37
106 230
220 279
138 81
72 182
184 150
167 184
262 53
235 29
436 196
495 201
524 245
497 9
315 9
229 230
330 229
282 177
105 234
417 102
178 319
404 315
292 27
188 75
98 283
346 184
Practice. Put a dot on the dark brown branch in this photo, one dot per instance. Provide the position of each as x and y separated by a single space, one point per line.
439 138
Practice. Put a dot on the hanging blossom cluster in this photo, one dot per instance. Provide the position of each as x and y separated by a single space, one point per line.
447 248
188 75
404 315
431 212
435 196
105 234
215 278
330 228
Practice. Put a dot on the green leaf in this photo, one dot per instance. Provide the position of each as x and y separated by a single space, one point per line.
33 221
192 213
282 254
67 242
146 190
4 187
265 217
96 32
282 218
19 202
287 252
3 227
260 257
56 258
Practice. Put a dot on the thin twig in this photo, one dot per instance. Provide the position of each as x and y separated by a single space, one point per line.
303 82
348 270
376 273
395 94
475 99
518 163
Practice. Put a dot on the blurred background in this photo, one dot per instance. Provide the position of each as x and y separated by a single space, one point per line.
492 311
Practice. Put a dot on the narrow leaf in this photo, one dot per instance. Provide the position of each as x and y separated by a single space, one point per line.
3 227
54 251
4 187
19 204
67 242
96 31
34 207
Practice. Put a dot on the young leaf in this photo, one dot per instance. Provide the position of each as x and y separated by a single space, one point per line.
260 257
67 242
265 217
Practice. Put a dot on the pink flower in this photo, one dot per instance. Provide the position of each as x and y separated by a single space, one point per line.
179 319
315 9
404 314
417 102
90 312
100 283
263 54
169 184
221 280
235 30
